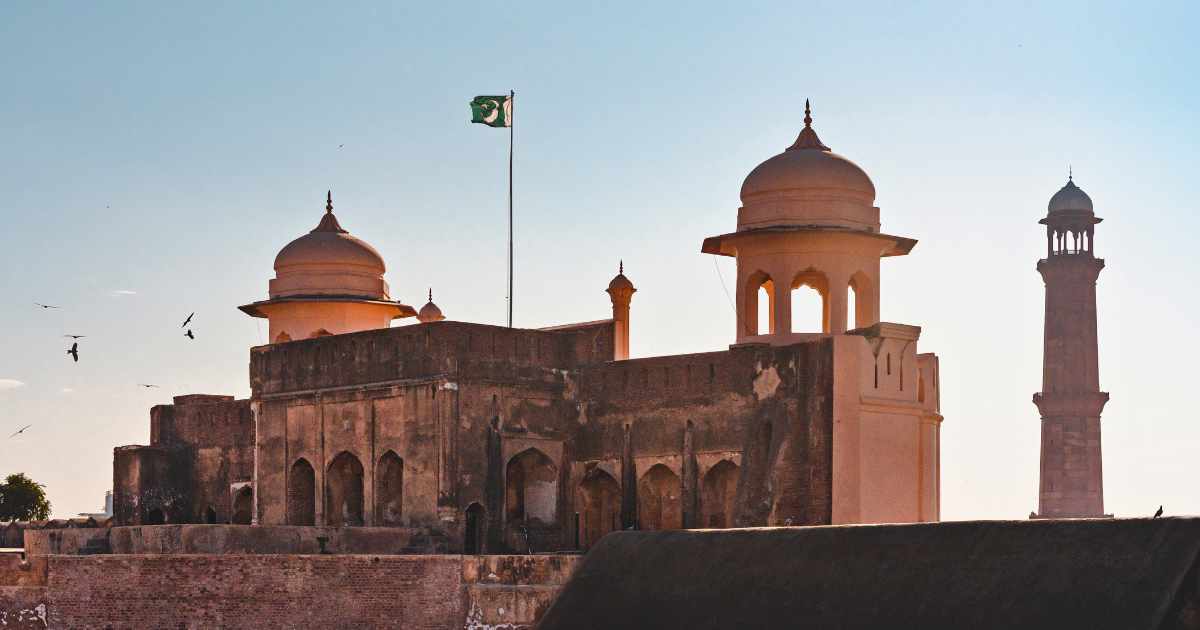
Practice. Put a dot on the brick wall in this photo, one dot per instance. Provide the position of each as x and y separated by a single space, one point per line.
285 591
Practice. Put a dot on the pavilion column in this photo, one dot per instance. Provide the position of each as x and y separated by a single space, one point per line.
839 284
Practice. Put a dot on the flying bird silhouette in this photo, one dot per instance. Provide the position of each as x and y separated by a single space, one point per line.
44 305
185 322
19 431
189 334
74 351
146 385
1159 512
75 336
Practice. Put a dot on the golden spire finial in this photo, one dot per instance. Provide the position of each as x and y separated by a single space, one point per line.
807 114
329 201
621 266
430 294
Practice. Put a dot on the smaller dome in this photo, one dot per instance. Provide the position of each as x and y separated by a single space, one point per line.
430 312
329 261
1070 198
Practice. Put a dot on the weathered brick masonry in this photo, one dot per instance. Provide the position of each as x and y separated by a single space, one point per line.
280 591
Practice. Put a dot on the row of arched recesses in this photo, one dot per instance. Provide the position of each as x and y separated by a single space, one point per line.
344 494
659 499
809 293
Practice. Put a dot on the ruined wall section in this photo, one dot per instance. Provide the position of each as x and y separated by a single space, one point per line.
214 437
768 410
151 484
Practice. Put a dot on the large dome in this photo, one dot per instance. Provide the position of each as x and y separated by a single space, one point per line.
329 261
808 184
1070 199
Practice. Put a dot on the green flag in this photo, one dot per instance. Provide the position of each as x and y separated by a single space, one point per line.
493 111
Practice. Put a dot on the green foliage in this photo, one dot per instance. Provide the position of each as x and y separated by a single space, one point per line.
23 499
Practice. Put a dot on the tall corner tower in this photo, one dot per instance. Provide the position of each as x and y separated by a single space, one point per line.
1071 481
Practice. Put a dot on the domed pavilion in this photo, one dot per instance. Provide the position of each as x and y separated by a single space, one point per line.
327 282
808 218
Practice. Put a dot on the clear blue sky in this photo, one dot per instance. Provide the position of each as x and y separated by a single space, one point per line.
171 151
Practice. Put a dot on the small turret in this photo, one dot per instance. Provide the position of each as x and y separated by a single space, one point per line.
621 291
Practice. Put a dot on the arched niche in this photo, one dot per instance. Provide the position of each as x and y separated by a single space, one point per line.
389 490
659 504
344 491
302 494
598 501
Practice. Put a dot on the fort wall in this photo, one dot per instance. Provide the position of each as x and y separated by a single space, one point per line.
257 591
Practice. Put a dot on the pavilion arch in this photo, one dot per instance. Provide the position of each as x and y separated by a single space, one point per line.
344 491
302 494
718 494
531 488
659 504
598 500
389 490
755 321
860 287
810 315
243 506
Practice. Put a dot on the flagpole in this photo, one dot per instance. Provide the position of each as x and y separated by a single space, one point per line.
512 125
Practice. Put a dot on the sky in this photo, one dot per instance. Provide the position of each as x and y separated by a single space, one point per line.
154 158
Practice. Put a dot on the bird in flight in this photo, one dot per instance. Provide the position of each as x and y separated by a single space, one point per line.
74 351
189 334
189 318
44 305
75 336
19 431
341 145
146 385
1159 512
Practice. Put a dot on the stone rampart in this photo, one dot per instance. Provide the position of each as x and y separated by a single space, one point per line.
283 591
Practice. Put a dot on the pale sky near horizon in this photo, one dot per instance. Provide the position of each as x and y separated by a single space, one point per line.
155 157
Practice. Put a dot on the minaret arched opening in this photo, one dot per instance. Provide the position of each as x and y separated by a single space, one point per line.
810 302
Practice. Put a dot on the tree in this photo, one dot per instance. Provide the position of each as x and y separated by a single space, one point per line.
23 499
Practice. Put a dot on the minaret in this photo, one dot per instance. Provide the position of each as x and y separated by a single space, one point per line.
1070 402
621 291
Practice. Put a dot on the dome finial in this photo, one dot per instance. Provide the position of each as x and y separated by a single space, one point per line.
430 294
621 266
329 223
808 136
1070 173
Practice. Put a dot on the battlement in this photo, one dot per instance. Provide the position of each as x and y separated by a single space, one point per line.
425 351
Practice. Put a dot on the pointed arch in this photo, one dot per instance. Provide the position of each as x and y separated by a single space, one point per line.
719 492
659 504
302 494
863 294
598 500
243 506
759 296
344 491
389 490
531 488
474 533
